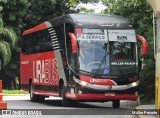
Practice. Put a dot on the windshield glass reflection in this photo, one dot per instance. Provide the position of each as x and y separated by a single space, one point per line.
93 55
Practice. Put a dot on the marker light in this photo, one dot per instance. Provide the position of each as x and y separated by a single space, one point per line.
79 92
79 30
134 79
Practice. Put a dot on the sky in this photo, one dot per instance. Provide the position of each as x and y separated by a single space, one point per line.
98 7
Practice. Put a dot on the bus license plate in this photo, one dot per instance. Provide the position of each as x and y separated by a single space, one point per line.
110 94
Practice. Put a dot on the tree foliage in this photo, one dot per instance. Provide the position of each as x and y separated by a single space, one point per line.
139 14
7 41
28 13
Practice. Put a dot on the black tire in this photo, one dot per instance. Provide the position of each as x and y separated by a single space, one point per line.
65 101
41 98
33 97
116 104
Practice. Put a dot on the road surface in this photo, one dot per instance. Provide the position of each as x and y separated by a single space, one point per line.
52 106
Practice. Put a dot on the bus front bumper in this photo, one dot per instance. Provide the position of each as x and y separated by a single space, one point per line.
108 96
106 87
92 92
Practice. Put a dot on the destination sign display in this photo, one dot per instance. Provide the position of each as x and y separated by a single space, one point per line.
91 37
122 35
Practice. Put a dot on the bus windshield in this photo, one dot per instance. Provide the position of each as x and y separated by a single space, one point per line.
122 51
123 57
93 55
114 54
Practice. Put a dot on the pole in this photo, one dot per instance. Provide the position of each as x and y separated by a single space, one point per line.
157 62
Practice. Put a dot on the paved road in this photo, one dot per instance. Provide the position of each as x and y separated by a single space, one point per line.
80 110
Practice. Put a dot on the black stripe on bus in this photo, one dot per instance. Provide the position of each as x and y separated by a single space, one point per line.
24 86
41 87
46 88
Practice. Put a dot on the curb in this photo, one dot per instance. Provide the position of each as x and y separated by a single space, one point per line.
15 94
140 116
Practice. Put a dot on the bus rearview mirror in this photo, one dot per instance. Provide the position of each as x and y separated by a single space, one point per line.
144 45
74 43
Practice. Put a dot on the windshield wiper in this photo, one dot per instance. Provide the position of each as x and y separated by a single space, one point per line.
102 61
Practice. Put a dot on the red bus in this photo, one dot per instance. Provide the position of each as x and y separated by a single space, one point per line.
81 57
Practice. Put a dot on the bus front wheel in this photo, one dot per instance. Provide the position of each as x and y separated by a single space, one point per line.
65 101
116 104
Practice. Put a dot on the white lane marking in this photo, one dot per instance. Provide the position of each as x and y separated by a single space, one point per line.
6 98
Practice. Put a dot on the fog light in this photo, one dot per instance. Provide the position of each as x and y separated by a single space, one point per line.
79 92
134 84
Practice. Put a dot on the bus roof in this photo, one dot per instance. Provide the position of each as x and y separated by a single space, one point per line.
85 20
81 19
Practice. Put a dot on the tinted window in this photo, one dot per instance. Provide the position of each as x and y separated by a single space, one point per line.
42 42
27 44
36 42
123 50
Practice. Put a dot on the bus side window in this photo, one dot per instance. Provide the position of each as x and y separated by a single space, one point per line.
42 42
47 41
27 44
70 55
38 39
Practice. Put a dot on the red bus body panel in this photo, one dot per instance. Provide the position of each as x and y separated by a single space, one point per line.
41 68
101 97
35 29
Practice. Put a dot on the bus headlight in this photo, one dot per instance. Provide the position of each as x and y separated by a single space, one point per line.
82 83
134 84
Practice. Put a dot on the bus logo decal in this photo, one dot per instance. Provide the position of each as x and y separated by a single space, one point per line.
122 38
45 72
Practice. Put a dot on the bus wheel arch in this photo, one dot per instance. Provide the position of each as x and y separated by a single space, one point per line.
62 91
30 82
61 84
33 97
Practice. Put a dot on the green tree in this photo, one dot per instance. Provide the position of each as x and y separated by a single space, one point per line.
7 41
139 14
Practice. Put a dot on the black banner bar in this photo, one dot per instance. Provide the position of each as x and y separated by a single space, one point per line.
82 111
